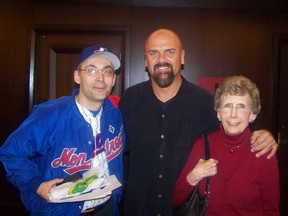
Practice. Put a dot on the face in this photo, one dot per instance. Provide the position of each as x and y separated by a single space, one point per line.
235 113
94 89
163 57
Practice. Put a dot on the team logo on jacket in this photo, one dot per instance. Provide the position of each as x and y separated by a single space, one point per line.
78 162
113 147
74 162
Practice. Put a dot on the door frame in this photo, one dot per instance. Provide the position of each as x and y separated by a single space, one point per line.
278 40
37 31
274 83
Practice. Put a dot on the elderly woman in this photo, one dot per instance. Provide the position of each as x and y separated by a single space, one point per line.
241 184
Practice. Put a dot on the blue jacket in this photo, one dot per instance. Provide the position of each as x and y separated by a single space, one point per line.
54 142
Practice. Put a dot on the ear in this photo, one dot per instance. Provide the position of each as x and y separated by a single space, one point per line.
182 56
218 115
77 77
145 59
252 117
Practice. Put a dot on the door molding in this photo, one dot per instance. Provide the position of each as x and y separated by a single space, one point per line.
278 41
38 32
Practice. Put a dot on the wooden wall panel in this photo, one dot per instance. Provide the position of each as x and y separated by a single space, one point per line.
217 43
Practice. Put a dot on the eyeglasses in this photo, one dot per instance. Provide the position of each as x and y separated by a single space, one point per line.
94 71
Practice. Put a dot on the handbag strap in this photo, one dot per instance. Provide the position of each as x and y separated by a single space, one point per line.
207 156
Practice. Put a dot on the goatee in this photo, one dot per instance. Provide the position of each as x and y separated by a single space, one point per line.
163 82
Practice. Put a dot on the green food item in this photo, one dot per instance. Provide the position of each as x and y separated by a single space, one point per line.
81 186
91 178
78 188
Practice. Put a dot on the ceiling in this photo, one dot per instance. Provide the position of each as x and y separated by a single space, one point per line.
265 5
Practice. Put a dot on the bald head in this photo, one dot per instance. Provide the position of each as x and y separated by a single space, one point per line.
163 35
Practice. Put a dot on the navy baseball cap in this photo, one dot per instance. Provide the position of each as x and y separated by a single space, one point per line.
100 51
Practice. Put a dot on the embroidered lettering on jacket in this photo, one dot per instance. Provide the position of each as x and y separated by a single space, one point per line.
77 162
113 147
74 162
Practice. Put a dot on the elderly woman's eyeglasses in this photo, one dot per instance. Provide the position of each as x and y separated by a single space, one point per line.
94 71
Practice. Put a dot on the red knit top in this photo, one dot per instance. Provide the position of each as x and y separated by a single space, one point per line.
244 185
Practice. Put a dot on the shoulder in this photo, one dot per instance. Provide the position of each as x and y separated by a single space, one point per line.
136 89
114 100
54 106
196 92
135 95
46 117
198 147
198 102
110 107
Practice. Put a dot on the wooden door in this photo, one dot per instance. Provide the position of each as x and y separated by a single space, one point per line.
282 123
53 58
278 112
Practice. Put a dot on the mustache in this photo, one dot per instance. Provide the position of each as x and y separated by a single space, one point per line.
164 64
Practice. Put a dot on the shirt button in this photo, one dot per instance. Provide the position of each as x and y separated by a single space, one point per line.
162 136
163 115
160 176
161 156
159 195
158 214
89 142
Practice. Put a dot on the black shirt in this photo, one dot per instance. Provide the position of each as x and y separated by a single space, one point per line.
159 140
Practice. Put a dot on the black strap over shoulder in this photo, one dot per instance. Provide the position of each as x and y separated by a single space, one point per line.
206 147
196 204
207 156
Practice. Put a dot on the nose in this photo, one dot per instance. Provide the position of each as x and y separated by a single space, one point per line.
100 76
161 57
234 112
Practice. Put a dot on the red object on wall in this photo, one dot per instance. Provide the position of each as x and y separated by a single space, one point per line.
210 83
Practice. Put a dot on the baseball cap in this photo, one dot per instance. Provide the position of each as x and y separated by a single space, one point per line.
100 51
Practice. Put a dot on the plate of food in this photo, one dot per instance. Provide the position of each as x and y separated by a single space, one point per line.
91 185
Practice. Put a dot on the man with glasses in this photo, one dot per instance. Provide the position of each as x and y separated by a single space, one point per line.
69 135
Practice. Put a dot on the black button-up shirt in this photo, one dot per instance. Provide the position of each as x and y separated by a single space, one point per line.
159 139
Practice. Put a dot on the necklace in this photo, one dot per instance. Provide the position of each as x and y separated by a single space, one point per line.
232 148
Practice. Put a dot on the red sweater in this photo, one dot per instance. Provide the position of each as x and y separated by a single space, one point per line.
244 185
